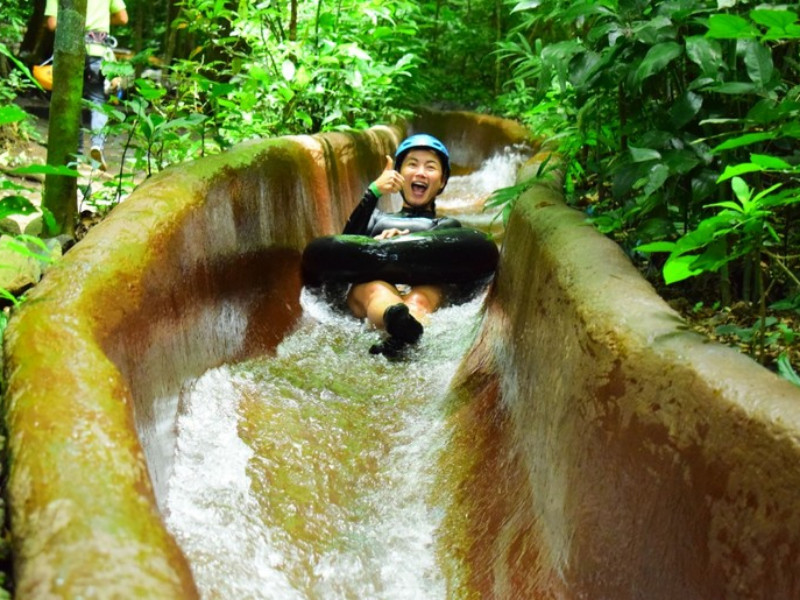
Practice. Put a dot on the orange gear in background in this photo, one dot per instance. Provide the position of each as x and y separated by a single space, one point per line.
44 75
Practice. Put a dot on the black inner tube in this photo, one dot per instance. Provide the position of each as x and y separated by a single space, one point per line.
448 255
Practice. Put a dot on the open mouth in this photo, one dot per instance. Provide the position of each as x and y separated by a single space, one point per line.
418 189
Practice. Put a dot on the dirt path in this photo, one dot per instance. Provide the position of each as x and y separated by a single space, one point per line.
97 189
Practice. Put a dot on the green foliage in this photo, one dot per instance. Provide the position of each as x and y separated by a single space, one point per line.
644 90
744 226
678 123
786 371
338 66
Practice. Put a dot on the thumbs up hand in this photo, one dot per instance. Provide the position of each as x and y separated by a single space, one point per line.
390 180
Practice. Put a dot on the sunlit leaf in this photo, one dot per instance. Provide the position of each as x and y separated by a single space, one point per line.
11 114
148 91
744 140
769 162
16 205
740 169
679 268
730 205
304 117
656 247
730 27
774 19
45 170
741 189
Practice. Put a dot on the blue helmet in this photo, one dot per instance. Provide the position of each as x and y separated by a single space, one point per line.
423 141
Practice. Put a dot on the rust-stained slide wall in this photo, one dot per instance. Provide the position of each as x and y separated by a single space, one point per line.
611 453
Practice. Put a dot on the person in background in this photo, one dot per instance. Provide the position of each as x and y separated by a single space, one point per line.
100 15
419 171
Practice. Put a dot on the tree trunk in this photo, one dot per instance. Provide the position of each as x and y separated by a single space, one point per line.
293 20
60 192
170 35
138 18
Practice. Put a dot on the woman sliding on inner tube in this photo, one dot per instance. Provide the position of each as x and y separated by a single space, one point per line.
419 171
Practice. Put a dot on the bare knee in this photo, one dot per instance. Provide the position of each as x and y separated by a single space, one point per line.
370 300
424 299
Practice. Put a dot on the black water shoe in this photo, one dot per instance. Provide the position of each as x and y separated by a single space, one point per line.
392 348
399 323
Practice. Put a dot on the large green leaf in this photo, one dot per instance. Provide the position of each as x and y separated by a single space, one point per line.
758 60
705 53
745 140
730 27
643 154
791 129
780 24
45 170
662 246
779 19
11 114
703 185
149 91
656 177
656 30
16 205
679 268
681 161
770 162
735 88
736 170
685 109
792 32
764 112
526 5
657 59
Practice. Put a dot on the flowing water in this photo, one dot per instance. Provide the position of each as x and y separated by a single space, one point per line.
310 473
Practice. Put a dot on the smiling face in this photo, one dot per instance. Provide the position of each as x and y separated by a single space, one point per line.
423 178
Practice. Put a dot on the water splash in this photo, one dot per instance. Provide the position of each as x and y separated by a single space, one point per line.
307 475
468 194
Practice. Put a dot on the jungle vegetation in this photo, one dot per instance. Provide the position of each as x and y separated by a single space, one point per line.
676 121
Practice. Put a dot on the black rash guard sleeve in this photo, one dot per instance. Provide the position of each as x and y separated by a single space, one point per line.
358 223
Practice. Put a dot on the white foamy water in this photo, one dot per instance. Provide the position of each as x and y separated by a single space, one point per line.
310 474
471 191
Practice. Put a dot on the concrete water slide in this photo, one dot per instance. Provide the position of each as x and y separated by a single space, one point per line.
601 450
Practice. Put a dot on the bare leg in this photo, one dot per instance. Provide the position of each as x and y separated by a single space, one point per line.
401 316
371 300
